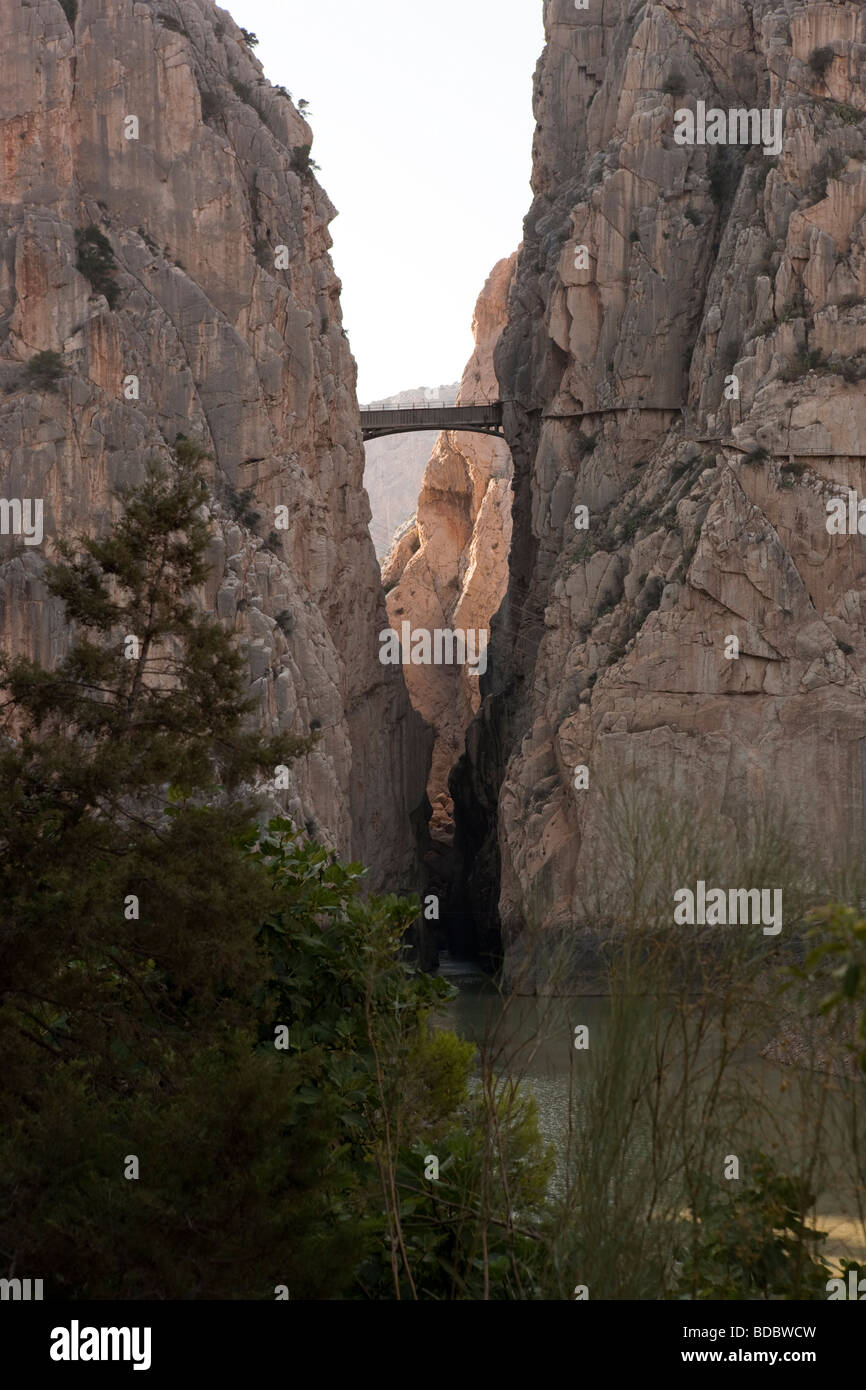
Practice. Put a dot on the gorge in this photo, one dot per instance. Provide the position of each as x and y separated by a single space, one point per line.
695 384
303 717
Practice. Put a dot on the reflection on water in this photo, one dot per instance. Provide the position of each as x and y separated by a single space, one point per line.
533 1040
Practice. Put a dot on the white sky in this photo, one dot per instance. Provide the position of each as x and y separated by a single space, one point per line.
422 117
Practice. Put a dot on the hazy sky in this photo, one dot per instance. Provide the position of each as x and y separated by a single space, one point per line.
422 116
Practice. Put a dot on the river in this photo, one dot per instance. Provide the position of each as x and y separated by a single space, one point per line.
533 1040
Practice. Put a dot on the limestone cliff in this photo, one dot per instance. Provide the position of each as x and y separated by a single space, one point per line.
164 234
707 271
448 567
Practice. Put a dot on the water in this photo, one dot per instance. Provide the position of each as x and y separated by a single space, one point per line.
533 1040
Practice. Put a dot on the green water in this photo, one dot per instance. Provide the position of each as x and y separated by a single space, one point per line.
533 1040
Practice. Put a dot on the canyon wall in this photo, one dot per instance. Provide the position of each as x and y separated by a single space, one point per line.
163 232
448 567
694 378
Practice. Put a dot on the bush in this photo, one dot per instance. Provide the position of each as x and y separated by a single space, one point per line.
794 309
584 445
848 115
239 504
633 522
794 470
838 960
242 90
44 370
723 172
753 1241
821 59
285 621
302 163
97 263
756 455
168 22
692 215
675 84
808 360
211 106
249 39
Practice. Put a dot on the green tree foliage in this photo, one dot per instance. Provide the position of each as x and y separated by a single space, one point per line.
752 1241
837 963
97 263
157 1033
124 777
360 1016
821 60
108 752
44 370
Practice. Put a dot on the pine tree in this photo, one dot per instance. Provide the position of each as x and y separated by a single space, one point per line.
133 985
122 802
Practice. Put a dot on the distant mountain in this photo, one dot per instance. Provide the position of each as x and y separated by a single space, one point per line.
395 465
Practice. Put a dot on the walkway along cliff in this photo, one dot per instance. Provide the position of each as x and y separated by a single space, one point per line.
685 356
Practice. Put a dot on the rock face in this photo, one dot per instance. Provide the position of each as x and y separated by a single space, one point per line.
448 567
694 378
152 126
395 465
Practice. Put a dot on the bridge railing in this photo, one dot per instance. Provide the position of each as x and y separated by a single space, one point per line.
486 410
412 405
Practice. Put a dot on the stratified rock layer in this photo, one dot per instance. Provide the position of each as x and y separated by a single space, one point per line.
226 310
707 514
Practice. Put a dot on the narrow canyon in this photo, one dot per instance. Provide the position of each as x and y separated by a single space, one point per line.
680 348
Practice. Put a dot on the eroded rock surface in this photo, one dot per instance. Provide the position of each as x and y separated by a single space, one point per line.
226 309
448 567
707 513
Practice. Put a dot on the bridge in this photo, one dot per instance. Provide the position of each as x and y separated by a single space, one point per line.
469 419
